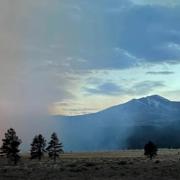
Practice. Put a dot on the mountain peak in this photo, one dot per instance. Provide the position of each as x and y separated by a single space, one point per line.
156 97
153 100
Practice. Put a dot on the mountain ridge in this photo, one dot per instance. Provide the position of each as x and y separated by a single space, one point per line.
157 97
127 125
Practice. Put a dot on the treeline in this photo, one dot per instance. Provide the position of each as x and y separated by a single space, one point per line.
166 136
11 142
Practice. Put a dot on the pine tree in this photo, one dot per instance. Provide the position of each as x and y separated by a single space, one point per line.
55 147
150 150
10 146
38 147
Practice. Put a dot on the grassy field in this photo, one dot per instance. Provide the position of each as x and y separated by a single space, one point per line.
125 165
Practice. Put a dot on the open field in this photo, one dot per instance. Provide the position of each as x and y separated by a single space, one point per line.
125 165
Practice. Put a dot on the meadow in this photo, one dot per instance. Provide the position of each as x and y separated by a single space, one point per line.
125 165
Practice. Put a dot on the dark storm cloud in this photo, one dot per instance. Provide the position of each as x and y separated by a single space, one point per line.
149 33
105 89
160 72
115 34
130 37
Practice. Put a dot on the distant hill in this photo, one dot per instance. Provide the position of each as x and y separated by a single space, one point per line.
128 125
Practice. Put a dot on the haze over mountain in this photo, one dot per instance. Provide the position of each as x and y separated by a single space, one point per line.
123 126
78 57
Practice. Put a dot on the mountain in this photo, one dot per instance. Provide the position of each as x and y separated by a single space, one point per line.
128 125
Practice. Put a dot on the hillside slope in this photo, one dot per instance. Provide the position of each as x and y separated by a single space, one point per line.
127 125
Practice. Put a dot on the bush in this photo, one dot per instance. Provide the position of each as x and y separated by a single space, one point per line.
150 150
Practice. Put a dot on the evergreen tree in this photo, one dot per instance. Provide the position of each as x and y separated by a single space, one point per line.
55 147
10 146
38 147
150 150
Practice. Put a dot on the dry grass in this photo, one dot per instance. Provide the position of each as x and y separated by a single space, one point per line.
125 165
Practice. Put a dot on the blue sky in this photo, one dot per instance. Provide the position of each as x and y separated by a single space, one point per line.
76 57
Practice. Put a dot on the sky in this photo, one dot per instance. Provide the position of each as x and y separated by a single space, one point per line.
76 57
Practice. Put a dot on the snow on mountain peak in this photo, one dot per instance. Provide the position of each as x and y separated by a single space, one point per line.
154 100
